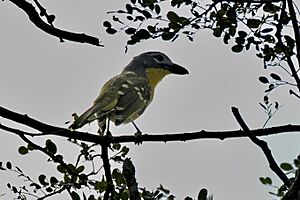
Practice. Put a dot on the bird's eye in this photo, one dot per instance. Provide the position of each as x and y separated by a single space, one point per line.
159 58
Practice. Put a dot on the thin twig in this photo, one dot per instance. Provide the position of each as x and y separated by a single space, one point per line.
264 147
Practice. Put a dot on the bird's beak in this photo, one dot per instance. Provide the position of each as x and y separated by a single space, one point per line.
177 69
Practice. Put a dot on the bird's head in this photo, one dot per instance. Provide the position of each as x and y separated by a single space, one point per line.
155 66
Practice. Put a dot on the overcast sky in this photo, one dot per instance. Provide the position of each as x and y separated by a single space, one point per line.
49 81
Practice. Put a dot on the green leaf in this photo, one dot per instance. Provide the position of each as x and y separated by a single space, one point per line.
80 169
53 180
266 181
75 196
157 9
275 77
129 8
167 35
142 34
51 147
124 151
146 14
253 23
22 150
217 32
172 16
242 34
130 31
202 195
267 30
263 79
286 166
8 165
42 179
111 31
61 169
106 24
237 48
101 186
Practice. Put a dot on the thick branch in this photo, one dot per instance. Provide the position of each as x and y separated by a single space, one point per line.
295 28
46 130
129 174
61 34
264 147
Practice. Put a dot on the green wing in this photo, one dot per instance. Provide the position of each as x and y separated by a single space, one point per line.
122 99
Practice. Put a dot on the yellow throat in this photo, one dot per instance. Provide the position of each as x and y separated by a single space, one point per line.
155 75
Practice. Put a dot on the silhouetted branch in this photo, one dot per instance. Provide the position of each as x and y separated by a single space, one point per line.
295 29
129 174
293 192
110 185
45 130
264 147
48 28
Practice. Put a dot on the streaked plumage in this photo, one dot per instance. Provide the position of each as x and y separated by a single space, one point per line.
125 97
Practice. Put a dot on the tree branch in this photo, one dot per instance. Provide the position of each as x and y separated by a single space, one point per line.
34 17
129 174
293 192
295 28
110 185
264 147
46 130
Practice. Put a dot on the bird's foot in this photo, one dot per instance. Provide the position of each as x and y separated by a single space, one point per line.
138 137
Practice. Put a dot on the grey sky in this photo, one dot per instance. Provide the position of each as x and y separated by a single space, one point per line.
49 81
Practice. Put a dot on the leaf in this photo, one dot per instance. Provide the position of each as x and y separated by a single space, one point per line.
129 8
266 181
51 147
42 179
242 34
80 169
253 23
22 150
75 196
167 35
286 166
275 77
266 30
157 9
111 31
8 165
53 180
100 186
202 195
106 24
276 105
146 14
172 16
237 48
266 100
217 32
263 79
130 31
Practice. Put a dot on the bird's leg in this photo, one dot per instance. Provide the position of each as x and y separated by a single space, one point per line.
138 134
138 131
108 133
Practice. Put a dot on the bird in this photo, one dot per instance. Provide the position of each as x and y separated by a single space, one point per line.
126 96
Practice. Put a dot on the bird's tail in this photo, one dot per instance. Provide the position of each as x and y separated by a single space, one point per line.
86 117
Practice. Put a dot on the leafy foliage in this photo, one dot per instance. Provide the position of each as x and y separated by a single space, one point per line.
290 169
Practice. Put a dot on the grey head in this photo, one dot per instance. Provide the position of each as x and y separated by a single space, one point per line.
154 59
